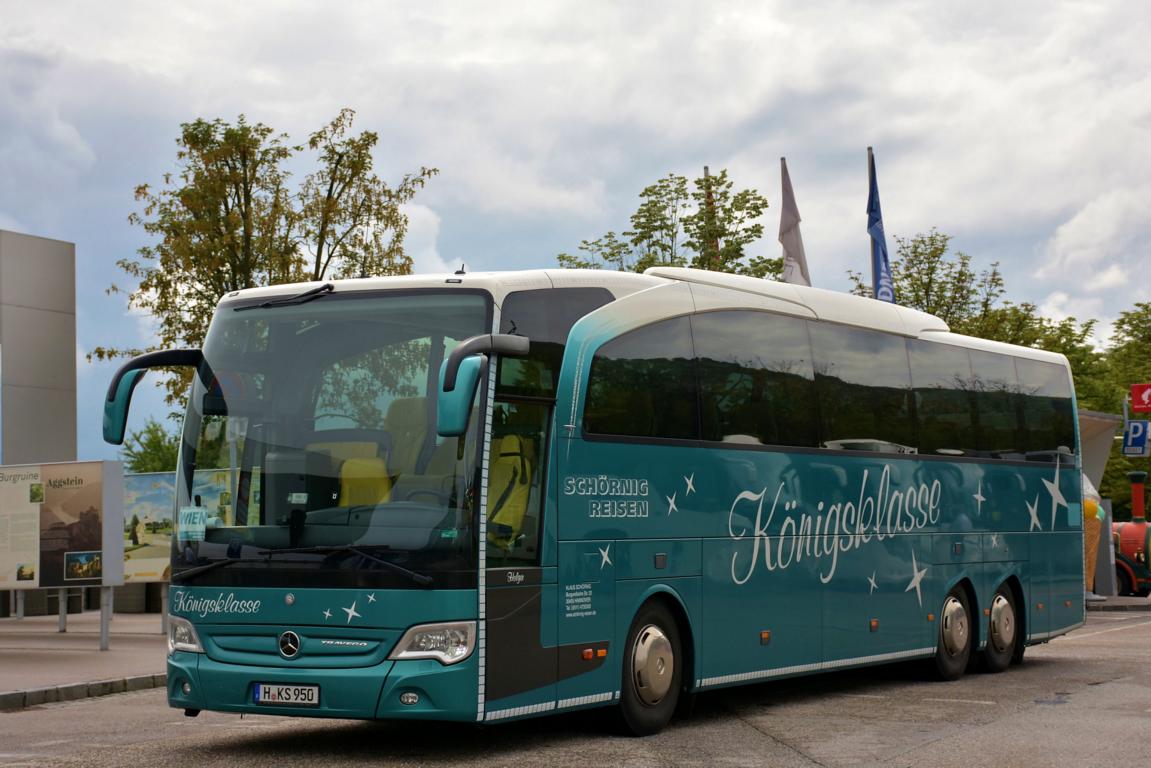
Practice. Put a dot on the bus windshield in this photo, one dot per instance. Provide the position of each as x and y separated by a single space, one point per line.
310 453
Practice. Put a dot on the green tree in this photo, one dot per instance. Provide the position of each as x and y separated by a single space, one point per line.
351 221
1127 362
227 220
708 226
929 277
151 449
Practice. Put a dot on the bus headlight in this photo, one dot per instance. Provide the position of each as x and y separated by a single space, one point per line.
447 643
182 636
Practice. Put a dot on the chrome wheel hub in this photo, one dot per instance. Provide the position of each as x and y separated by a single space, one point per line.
652 662
954 627
1002 624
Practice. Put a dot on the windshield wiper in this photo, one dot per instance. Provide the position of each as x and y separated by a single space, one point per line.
299 298
265 557
419 578
199 569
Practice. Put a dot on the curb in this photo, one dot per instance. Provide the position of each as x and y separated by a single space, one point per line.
14 700
1144 607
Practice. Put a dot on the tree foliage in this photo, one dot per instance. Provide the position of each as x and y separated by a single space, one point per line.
709 225
228 219
150 449
1126 362
930 277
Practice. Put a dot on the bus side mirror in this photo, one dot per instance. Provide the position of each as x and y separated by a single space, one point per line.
460 375
120 390
452 408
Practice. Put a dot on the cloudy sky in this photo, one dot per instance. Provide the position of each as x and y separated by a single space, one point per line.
1022 129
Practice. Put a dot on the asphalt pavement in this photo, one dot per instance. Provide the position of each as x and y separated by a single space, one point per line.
1083 699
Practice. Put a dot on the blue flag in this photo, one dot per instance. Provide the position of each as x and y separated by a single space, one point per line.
882 286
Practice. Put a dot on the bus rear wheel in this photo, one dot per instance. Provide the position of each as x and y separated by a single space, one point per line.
1002 632
953 646
652 671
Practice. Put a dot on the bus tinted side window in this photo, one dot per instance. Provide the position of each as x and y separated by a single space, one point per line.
642 384
757 384
997 403
944 397
546 316
1048 420
864 387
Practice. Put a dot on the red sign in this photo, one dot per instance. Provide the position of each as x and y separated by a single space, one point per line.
1141 398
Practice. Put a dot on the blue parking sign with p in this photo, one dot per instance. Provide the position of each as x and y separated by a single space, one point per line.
1135 438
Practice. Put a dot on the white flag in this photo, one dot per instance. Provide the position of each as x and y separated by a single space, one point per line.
794 260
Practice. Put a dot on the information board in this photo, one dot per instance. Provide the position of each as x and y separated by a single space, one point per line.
60 525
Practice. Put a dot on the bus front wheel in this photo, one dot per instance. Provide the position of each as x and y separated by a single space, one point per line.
652 671
953 647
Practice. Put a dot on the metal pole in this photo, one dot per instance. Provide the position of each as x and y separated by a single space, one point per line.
105 616
62 597
19 603
163 609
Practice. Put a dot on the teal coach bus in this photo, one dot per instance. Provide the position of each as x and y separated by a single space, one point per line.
479 497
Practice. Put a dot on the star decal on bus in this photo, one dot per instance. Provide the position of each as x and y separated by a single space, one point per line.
671 507
372 597
352 612
605 553
1057 499
917 577
327 614
871 581
1033 510
994 541
979 499
690 481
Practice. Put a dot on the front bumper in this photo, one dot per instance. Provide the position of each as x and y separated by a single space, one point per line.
366 693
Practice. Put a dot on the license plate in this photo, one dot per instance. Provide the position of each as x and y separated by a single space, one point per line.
288 695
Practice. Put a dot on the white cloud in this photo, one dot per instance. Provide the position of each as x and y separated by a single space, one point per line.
145 327
423 230
1107 228
1112 277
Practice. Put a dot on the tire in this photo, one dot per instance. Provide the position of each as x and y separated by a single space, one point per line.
953 645
652 671
1123 584
1002 631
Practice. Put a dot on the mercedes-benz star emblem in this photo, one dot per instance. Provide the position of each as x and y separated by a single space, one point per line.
289 644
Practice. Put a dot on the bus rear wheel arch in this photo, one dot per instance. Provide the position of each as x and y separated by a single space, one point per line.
653 667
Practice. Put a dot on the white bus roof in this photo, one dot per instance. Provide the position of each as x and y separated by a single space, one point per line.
827 305
498 284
